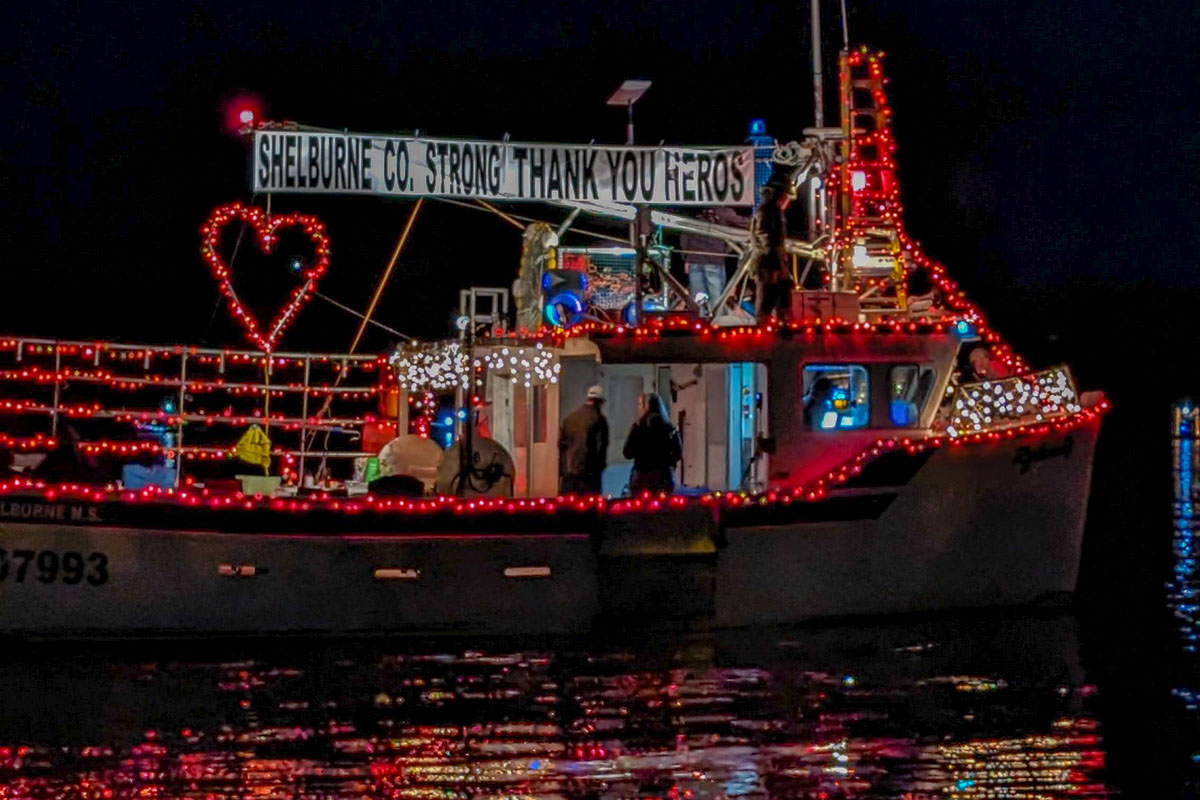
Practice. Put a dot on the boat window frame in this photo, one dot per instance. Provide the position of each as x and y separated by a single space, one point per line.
862 410
921 403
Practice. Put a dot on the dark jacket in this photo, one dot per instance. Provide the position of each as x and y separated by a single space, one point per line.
701 247
583 442
768 227
653 445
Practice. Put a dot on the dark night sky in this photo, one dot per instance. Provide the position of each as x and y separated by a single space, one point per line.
1039 143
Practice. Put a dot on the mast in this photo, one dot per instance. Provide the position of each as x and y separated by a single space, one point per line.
818 82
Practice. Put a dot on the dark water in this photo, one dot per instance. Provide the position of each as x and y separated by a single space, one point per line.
987 706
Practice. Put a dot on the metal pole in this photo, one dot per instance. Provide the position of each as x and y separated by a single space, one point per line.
629 124
57 388
179 422
387 273
303 423
638 261
818 83
530 437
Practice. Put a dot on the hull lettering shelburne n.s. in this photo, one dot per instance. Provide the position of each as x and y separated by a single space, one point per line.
59 512
351 163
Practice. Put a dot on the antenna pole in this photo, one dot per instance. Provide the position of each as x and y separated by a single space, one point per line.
818 82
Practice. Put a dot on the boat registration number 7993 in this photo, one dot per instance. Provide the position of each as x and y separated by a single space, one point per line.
49 566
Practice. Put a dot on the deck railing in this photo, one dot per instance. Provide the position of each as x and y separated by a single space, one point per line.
204 397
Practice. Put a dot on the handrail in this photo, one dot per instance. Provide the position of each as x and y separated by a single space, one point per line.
8 342
181 370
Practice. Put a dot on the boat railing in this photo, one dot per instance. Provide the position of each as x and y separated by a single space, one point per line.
1020 400
188 403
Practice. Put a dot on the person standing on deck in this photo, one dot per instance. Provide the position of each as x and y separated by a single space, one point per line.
583 446
654 447
768 231
704 263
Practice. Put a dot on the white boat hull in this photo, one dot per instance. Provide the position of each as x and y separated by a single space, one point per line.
981 525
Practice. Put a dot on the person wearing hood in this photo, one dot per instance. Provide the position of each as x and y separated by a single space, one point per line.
654 447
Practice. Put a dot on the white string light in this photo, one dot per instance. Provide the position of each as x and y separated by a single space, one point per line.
529 366
1030 398
432 367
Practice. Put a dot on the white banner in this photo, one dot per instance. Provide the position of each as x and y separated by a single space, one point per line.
406 166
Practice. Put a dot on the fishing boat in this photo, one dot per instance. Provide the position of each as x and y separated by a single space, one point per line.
878 449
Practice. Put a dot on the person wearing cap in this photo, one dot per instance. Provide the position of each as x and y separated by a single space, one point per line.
583 446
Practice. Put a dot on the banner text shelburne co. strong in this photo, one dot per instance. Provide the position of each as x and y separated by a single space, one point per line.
348 163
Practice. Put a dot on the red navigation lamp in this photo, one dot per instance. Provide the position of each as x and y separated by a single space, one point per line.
242 113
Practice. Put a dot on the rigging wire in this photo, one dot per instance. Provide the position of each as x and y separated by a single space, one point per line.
511 217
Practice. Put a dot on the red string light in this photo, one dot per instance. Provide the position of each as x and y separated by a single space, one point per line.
812 491
266 228
38 441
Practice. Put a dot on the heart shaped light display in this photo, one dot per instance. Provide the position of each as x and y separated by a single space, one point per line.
266 228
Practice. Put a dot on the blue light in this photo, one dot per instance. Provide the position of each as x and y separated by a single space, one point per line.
758 126
570 302
448 421
546 282
964 328
648 304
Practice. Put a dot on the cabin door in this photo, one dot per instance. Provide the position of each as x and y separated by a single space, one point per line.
525 424
721 413
623 383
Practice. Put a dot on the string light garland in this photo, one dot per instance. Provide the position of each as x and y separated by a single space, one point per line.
1032 397
435 366
682 325
38 441
868 178
813 491
124 353
112 380
530 366
267 228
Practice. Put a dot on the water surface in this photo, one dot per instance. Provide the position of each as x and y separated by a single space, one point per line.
986 706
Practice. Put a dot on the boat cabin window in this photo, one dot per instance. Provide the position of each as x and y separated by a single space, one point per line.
910 387
836 396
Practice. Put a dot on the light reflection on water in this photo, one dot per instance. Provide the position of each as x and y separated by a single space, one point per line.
982 707
1183 586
